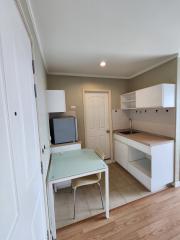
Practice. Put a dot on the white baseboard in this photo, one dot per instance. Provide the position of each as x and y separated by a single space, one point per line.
176 184
109 161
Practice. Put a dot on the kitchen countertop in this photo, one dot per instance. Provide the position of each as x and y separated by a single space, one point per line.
145 138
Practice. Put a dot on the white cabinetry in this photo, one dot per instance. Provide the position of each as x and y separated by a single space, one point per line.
151 165
128 100
55 101
162 95
158 96
121 153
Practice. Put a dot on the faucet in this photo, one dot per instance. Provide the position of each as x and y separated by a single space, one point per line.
130 125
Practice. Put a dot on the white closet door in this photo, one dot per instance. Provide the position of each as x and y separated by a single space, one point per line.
22 214
97 124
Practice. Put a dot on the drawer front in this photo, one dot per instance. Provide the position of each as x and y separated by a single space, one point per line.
139 146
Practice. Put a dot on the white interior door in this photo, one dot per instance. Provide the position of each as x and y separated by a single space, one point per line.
97 124
22 214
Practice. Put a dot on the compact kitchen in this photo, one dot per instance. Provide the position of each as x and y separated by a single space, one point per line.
143 144
90 120
148 157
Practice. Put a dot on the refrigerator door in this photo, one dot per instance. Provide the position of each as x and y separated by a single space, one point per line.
64 130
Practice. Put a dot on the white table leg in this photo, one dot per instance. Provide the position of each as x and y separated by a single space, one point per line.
51 210
107 192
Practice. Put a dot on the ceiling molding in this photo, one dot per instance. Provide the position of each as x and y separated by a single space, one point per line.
25 21
153 66
85 75
115 77
131 69
36 32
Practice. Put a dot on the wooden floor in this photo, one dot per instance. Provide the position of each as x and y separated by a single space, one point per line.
156 217
124 188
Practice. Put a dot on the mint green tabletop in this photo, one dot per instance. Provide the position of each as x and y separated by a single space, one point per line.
75 162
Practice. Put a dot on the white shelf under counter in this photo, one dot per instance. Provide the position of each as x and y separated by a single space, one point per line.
141 170
143 165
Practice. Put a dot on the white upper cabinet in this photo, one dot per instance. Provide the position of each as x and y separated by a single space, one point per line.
128 100
162 95
56 101
158 96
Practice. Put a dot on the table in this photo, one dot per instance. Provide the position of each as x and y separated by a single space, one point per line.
70 165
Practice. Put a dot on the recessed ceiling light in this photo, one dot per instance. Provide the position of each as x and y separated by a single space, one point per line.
102 64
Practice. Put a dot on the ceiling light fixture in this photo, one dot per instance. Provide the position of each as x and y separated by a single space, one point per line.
102 64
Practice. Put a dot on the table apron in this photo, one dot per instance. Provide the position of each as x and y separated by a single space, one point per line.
77 176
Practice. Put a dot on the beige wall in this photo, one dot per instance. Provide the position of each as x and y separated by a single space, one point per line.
166 73
74 86
169 123
161 122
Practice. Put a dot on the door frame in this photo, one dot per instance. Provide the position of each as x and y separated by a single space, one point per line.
177 138
28 29
109 111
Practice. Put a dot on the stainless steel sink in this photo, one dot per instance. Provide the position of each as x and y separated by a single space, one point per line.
129 132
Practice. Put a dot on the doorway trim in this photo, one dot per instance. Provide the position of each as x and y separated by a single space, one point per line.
109 111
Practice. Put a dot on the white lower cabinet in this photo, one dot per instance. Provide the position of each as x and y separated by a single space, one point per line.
121 153
154 170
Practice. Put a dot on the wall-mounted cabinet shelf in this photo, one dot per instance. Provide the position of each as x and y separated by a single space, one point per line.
128 100
158 96
55 101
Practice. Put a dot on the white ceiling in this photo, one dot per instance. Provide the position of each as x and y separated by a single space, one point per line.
132 36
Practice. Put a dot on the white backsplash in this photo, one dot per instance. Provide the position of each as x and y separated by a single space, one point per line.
120 119
161 122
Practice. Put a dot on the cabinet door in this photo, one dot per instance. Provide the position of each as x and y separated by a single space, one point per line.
56 101
149 97
121 153
169 95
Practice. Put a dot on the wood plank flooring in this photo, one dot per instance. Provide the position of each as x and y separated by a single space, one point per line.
123 189
156 217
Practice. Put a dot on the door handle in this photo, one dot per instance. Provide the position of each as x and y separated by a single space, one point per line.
107 131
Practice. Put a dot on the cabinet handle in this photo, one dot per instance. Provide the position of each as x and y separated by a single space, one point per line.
107 131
